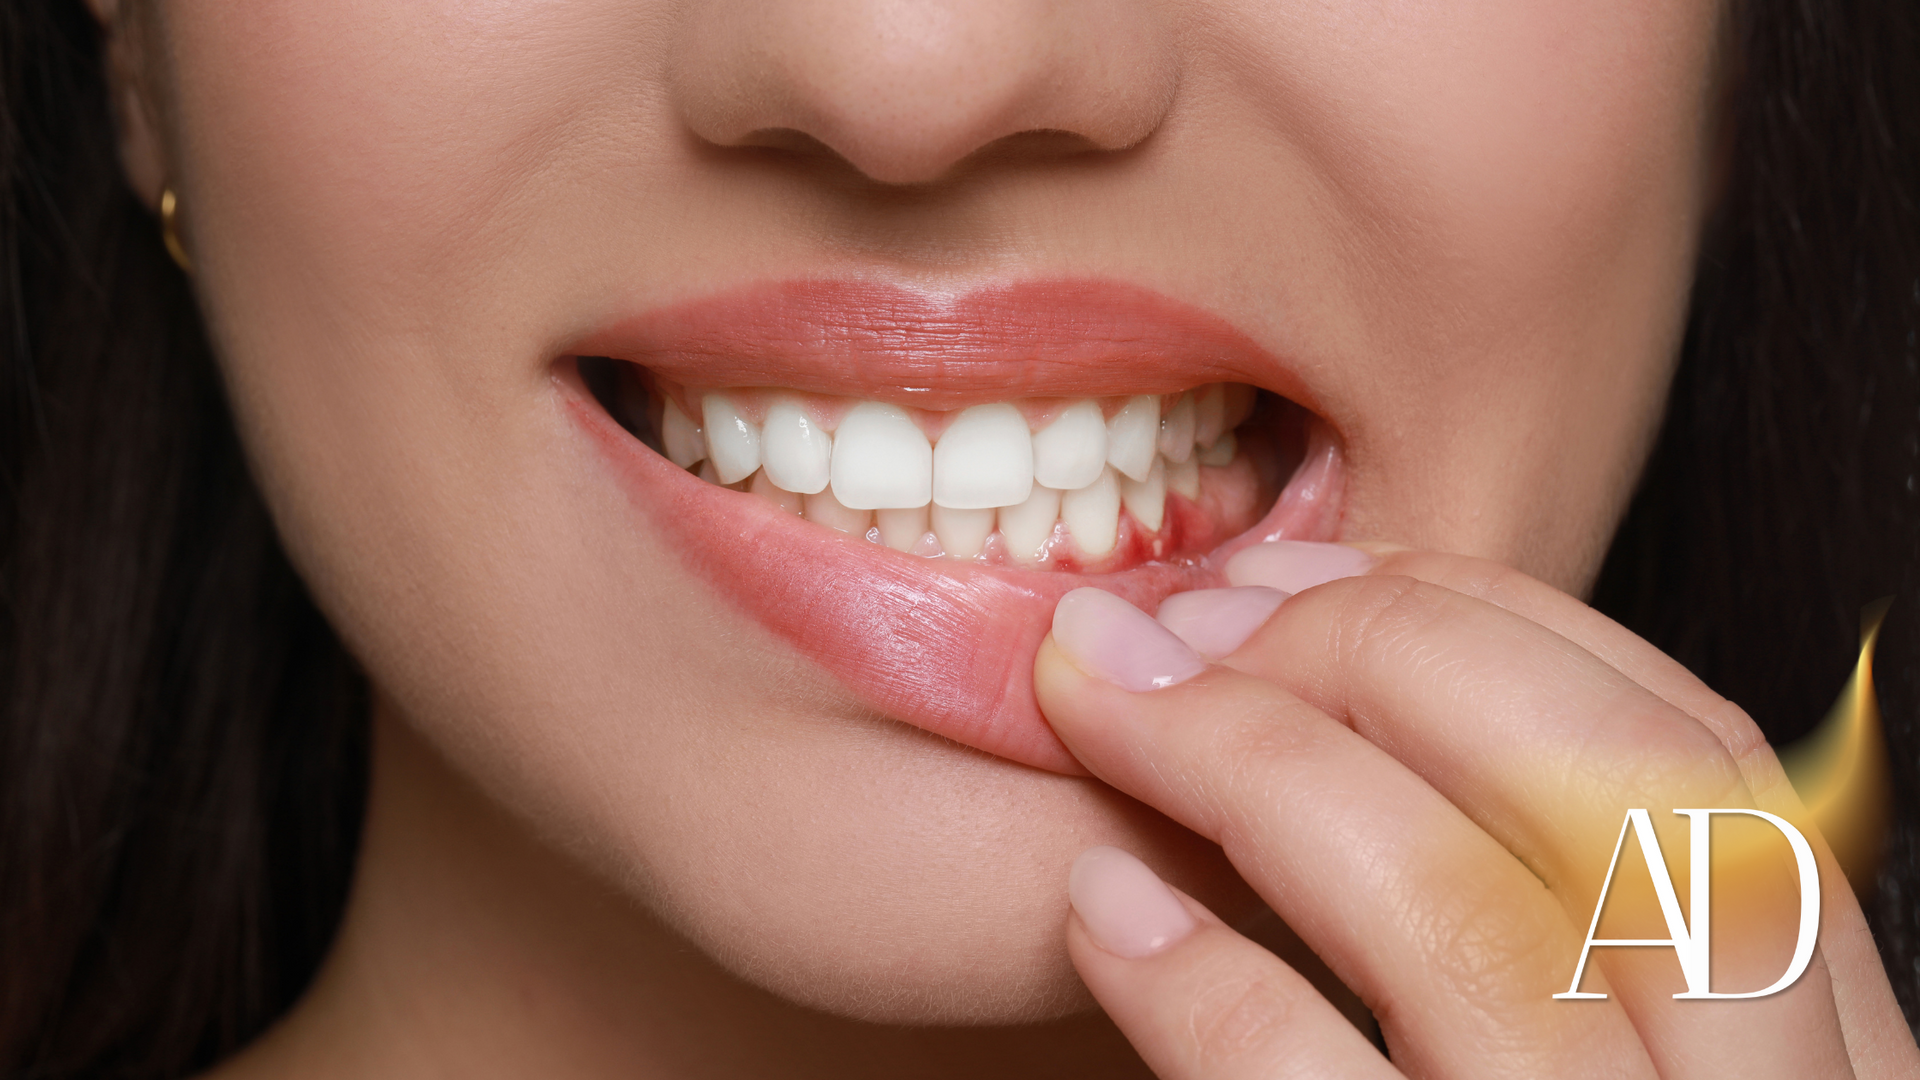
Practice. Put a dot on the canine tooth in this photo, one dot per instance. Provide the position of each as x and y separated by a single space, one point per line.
1146 499
1028 526
1176 430
681 437
881 459
1131 434
1184 477
796 453
901 527
733 441
1209 414
1221 451
823 509
706 472
1070 452
1092 514
962 533
764 487
984 459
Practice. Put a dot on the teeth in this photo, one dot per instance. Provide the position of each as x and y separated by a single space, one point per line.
681 437
823 509
1176 430
796 453
733 442
1070 452
962 533
984 459
773 493
1092 514
1184 477
881 459
901 528
1210 415
1131 434
1221 450
877 475
1146 499
1027 527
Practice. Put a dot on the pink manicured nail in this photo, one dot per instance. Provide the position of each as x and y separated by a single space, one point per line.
1215 622
1127 909
1110 639
1295 565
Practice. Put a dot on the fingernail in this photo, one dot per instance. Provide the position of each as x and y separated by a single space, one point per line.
1128 910
1110 639
1295 565
1215 622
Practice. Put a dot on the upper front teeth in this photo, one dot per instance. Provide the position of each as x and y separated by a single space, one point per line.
985 459
877 468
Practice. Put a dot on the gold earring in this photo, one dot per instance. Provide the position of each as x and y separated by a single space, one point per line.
169 233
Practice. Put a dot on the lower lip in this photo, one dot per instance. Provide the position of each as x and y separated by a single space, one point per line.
941 645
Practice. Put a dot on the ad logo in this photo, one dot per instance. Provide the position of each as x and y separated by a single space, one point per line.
1691 938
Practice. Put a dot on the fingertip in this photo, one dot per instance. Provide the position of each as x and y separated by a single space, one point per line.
1124 906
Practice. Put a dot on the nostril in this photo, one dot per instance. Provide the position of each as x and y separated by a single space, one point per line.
904 92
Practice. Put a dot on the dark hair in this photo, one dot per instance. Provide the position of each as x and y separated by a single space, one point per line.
183 746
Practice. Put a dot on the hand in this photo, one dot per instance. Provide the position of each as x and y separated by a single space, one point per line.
1423 767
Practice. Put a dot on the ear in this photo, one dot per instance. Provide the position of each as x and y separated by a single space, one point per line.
130 90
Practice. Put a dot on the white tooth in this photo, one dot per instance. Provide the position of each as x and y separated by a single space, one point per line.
1221 452
902 527
706 473
789 501
733 441
1028 526
681 437
962 533
796 452
1146 499
881 459
1092 514
1184 477
1209 414
985 458
1176 430
822 508
1070 452
1131 434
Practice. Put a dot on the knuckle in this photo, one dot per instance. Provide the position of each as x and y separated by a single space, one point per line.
1234 1018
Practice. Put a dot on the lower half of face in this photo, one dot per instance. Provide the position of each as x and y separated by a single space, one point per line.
702 492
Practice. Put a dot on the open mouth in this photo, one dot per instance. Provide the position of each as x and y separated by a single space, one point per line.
903 486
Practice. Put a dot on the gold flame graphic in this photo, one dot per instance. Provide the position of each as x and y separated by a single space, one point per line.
1840 768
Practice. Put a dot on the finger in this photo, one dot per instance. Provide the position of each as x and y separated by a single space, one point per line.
1876 1034
1198 1001
1448 939
1546 746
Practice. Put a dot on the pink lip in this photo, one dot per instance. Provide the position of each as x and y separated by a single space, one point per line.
945 646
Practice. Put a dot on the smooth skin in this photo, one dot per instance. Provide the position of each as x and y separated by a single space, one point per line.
616 826
1414 767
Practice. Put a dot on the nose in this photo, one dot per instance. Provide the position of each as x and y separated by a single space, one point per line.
905 89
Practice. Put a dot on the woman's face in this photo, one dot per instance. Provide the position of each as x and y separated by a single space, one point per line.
1457 236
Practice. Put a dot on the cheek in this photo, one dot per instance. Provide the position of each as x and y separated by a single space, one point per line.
1514 192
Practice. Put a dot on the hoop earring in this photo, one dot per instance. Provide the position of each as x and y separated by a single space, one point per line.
169 231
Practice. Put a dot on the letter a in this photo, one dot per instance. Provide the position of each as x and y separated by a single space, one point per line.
1693 947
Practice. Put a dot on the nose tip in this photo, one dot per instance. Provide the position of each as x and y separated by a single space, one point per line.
905 89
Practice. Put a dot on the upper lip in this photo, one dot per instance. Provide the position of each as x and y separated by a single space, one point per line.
937 351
